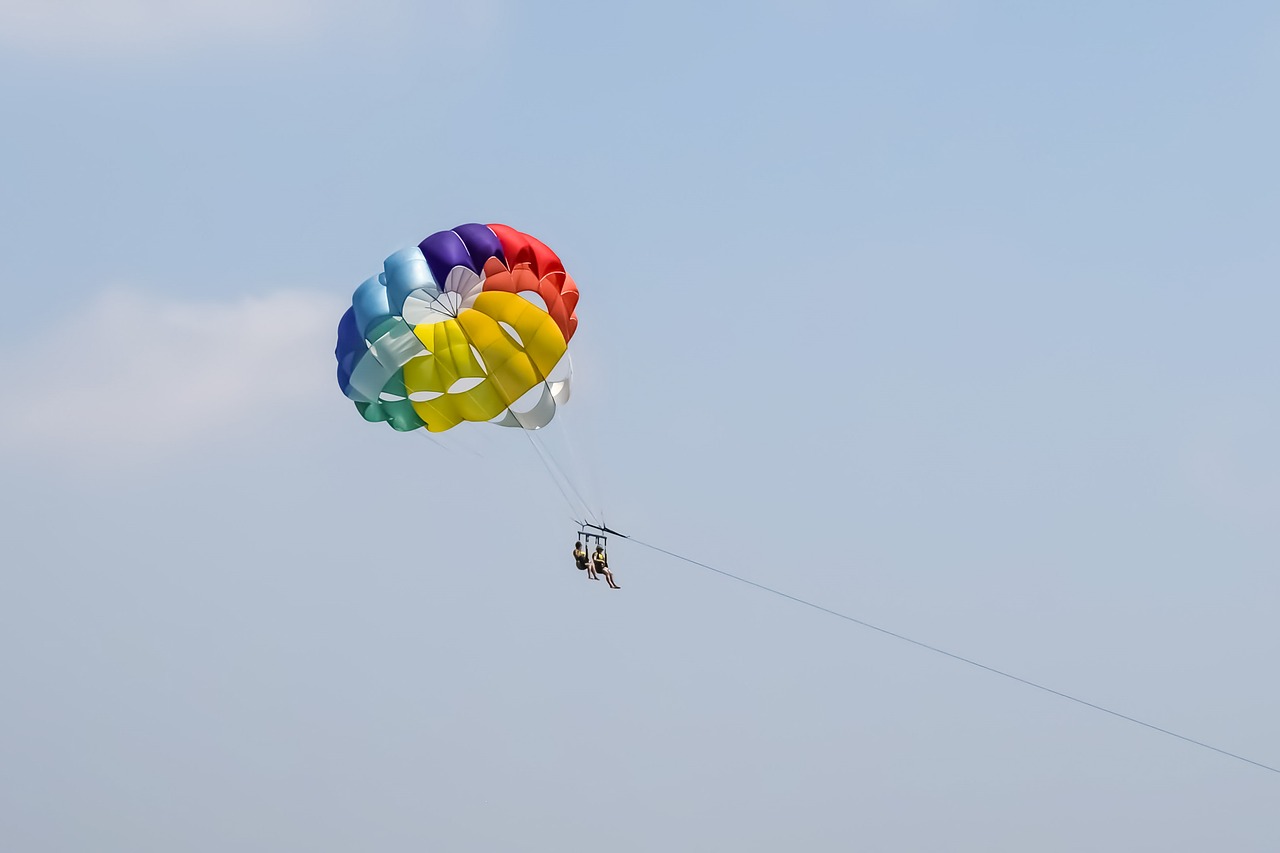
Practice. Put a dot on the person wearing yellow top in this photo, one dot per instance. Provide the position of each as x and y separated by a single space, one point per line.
600 562
581 561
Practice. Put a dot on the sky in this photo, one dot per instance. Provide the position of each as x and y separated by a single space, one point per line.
956 318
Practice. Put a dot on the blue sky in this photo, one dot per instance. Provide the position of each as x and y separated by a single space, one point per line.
958 318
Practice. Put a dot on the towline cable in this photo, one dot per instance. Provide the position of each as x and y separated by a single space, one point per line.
936 650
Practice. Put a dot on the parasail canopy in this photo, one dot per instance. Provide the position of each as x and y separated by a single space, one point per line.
472 324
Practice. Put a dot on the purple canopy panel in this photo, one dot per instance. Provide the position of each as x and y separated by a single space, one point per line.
445 250
482 244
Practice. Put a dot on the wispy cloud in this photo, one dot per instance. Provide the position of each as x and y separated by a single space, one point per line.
138 373
97 27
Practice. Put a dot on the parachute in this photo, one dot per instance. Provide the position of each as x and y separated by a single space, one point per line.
472 324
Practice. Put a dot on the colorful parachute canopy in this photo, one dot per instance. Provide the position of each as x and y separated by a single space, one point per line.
472 324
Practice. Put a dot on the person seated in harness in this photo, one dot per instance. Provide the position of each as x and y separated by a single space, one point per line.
600 562
581 560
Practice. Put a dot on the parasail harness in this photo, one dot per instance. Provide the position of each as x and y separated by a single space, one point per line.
594 534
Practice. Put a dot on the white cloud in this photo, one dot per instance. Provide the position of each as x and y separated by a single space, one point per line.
135 372
125 26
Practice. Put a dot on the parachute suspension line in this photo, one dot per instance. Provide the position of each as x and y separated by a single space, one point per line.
557 477
566 420
440 444
954 656
551 473
549 461
429 437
